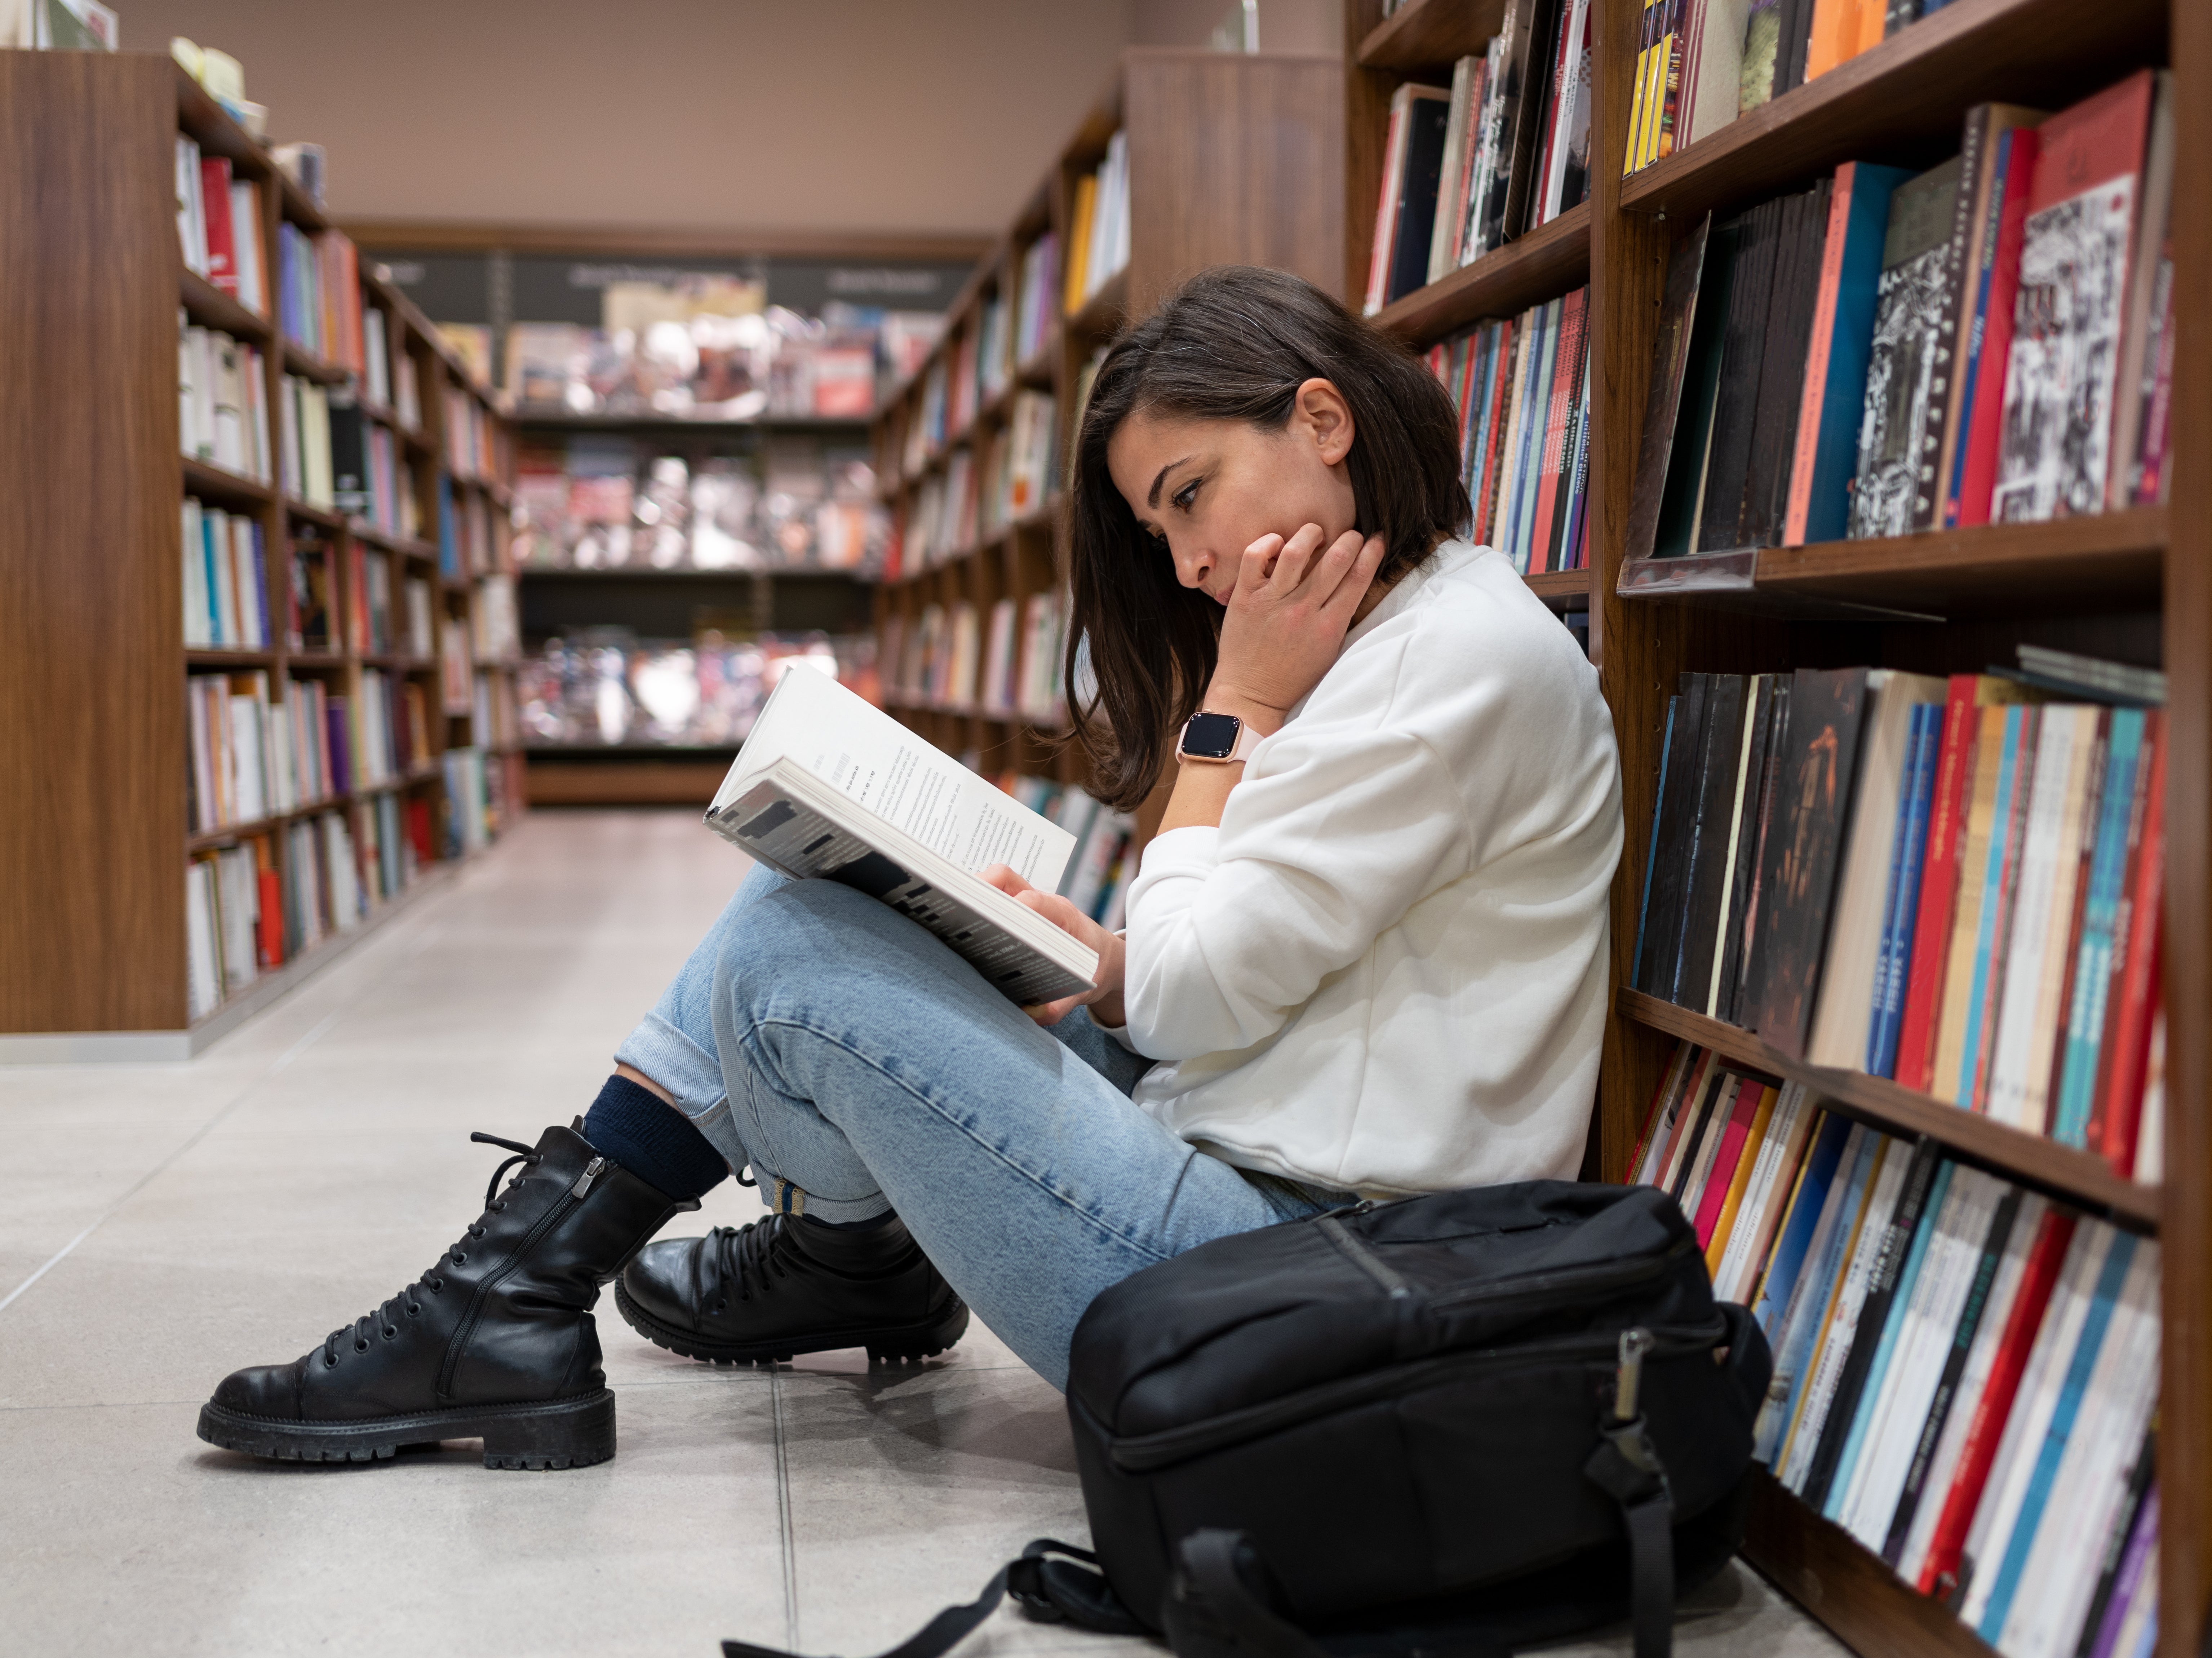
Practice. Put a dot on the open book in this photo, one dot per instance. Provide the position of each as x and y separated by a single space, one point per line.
828 785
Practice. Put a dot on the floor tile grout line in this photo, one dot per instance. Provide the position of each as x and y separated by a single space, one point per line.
790 1544
190 1140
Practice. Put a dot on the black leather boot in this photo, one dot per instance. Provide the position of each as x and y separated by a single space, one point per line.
746 1294
495 1342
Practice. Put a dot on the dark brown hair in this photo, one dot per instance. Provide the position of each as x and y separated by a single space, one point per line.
1234 343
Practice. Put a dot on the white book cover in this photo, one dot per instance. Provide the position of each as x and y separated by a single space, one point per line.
826 785
194 550
249 801
1836 1345
239 903
245 239
1809 1300
2091 1485
2056 447
2032 1407
1931 1320
2042 918
1846 1007
202 963
1467 76
1981 1358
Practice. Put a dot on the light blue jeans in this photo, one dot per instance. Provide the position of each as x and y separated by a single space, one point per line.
859 1066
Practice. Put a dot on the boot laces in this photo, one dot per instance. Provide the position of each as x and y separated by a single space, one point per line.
745 1256
384 1320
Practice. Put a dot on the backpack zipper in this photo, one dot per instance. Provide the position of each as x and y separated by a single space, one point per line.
1150 1452
1363 1258
545 1223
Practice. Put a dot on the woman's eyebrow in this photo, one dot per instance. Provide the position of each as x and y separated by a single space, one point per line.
1153 498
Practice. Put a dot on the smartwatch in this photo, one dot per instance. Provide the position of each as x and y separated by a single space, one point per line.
1216 740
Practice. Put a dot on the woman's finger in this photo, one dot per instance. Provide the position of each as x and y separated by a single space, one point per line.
1258 561
1356 580
1003 878
1298 553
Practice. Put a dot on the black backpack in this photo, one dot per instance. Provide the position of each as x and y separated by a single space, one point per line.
1456 1424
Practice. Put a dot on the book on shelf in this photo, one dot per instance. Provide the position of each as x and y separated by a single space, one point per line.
828 786
304 448
223 405
1702 64
1044 635
1889 353
1964 1371
226 581
1099 226
1522 387
1405 207
1040 287
1956 884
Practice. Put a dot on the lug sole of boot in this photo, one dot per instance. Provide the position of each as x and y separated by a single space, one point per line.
895 1345
567 1433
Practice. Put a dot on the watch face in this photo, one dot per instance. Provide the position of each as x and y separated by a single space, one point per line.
1211 735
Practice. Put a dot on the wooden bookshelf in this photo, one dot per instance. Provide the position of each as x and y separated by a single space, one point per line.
1942 602
95 752
1267 129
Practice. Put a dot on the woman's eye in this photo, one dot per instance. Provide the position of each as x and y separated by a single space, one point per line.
1184 497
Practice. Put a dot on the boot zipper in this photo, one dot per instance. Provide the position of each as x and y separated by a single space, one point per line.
1148 1453
545 1222
1363 1258
593 1171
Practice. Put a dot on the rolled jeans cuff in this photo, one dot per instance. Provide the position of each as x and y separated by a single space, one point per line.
782 1198
691 1074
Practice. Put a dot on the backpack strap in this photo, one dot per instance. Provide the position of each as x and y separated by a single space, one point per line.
1050 1590
1626 1466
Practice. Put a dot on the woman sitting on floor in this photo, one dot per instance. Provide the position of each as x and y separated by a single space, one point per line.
1366 953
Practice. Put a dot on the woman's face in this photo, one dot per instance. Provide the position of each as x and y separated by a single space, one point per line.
1206 489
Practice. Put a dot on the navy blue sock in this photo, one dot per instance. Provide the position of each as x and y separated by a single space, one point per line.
653 1139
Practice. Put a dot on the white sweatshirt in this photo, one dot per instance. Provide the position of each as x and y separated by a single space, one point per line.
1385 971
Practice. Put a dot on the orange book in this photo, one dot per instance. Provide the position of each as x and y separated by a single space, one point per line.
1079 241
1717 1246
1836 32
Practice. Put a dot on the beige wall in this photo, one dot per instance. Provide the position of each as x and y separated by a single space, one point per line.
867 116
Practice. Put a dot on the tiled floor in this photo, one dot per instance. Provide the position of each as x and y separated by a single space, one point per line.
165 1224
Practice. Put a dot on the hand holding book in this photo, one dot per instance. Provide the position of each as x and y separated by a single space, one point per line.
1105 1000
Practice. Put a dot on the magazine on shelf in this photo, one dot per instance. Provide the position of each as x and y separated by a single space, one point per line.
828 786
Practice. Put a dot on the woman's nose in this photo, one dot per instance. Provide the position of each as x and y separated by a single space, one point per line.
1195 568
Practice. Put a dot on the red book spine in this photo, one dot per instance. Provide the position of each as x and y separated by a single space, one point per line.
1981 475
2121 1105
2151 775
1816 360
1722 1174
1563 365
270 928
1939 1574
1488 504
221 242
1939 887
1379 256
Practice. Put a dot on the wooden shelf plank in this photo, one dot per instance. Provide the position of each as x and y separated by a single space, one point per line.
298 359
2107 562
1852 1590
1902 100
1554 584
2117 557
1549 261
1428 33
538 417
321 515
222 486
1103 312
216 656
2080 1177
208 305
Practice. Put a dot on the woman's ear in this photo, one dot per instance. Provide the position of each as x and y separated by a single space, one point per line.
1326 418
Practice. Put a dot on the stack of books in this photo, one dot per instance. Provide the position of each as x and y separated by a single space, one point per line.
1965 1372
226 583
222 401
1503 149
1040 285
1099 226
319 296
219 227
1990 340
1956 885
1522 388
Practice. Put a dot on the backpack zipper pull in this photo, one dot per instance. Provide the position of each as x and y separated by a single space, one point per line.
593 1171
1628 1374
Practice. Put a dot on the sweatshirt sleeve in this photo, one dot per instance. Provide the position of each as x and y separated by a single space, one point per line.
1337 831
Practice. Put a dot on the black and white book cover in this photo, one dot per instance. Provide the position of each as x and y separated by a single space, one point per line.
1916 276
